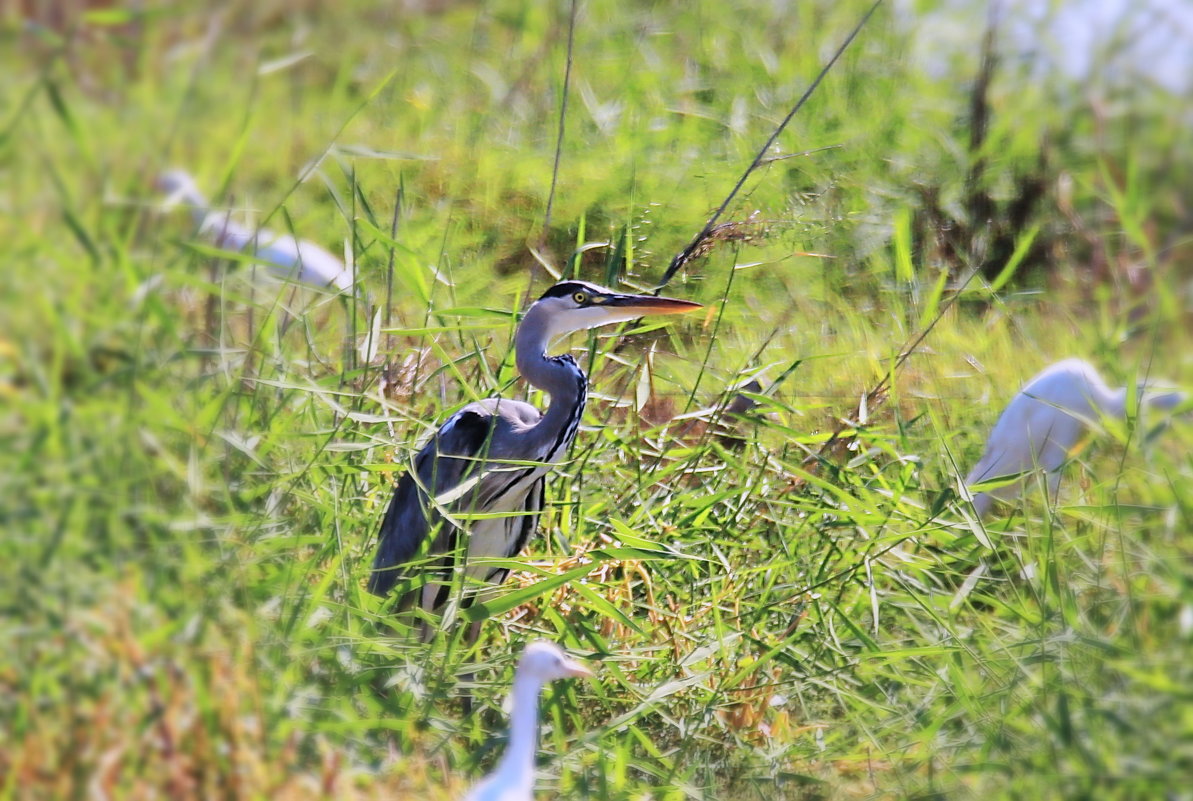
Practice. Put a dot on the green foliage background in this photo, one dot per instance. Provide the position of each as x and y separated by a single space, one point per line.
195 460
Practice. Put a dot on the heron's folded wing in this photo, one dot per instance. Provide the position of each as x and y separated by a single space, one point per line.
411 515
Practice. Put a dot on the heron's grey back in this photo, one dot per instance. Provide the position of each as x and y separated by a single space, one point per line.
488 429
411 515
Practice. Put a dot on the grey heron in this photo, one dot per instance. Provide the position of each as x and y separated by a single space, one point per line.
492 456
513 779
290 258
1045 421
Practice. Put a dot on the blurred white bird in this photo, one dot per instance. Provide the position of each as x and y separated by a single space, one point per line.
290 258
1044 423
513 780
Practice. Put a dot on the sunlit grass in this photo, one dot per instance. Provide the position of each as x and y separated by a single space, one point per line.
195 461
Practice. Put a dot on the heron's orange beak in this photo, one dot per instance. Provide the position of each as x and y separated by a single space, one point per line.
649 304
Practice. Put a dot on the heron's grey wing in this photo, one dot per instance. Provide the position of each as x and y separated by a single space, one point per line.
505 478
524 524
411 515
534 506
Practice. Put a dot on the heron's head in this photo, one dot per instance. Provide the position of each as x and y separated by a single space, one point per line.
576 305
178 187
546 661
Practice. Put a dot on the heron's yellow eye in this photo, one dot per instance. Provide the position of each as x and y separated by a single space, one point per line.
581 298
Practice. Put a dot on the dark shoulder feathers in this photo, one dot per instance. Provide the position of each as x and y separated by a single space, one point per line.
464 433
438 468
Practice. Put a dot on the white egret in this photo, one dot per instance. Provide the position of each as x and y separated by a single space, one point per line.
513 779
290 258
1045 421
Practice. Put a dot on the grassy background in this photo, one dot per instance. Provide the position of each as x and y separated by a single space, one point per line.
195 462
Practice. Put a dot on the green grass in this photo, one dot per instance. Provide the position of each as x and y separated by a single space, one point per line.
194 464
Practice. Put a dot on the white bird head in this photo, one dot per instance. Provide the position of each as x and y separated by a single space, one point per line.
179 187
546 661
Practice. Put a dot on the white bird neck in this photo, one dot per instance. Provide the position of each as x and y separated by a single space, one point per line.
1098 398
1114 402
517 764
189 195
207 221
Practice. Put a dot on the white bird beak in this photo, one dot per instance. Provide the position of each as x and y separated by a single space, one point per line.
577 670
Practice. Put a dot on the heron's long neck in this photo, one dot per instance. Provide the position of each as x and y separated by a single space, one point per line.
518 761
558 376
